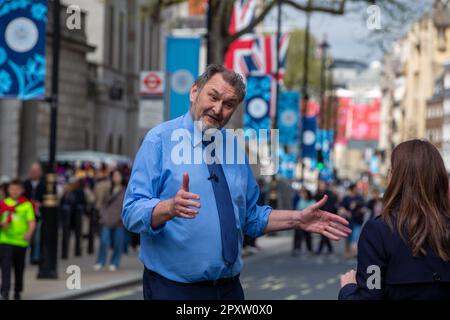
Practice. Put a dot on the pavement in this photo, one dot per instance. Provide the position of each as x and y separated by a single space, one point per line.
269 273
95 282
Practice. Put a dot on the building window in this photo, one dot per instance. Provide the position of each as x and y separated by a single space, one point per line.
119 145
122 46
111 33
109 146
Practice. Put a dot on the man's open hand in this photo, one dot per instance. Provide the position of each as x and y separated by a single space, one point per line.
312 219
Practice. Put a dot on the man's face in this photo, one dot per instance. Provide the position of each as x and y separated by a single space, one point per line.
35 172
214 104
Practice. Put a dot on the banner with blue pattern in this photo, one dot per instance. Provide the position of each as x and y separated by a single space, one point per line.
288 162
289 117
22 49
182 66
257 106
309 138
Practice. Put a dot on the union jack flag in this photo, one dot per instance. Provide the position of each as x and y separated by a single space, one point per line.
253 54
243 14
262 58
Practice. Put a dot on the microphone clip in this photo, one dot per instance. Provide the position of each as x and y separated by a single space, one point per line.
214 177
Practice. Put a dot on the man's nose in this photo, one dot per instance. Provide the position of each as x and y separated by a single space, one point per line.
217 108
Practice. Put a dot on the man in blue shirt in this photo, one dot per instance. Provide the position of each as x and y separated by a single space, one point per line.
192 215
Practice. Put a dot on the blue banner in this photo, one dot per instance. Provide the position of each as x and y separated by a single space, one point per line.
22 49
182 66
288 117
257 106
288 163
309 138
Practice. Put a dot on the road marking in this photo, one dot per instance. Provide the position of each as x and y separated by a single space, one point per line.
331 281
305 292
320 286
278 286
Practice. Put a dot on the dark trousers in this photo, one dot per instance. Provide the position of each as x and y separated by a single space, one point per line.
299 235
324 241
12 257
157 287
71 223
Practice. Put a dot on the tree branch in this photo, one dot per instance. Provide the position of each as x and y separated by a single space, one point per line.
310 8
250 27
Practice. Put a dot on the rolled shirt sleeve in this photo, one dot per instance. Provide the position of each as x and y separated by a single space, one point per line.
143 188
257 216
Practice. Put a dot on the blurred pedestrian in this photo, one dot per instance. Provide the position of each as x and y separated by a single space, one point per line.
306 200
101 189
112 230
352 207
405 253
375 204
17 224
330 206
34 191
72 209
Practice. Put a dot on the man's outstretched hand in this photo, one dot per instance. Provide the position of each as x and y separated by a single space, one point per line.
330 225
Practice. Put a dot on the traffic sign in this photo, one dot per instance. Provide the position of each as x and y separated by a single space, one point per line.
152 83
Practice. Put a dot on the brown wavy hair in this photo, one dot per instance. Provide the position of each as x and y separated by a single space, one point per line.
417 198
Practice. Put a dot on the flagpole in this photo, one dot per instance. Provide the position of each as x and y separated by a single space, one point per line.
305 96
273 196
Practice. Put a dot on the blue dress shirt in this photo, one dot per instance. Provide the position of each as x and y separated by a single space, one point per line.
187 250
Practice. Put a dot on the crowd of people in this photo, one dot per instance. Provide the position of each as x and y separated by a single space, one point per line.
351 204
90 206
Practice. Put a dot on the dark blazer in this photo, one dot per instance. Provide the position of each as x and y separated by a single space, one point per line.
37 193
403 277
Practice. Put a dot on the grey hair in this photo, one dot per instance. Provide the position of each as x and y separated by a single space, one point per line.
232 78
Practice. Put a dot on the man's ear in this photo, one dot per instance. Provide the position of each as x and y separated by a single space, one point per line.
193 93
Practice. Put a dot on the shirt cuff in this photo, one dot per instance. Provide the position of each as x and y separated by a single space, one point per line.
347 290
264 213
149 215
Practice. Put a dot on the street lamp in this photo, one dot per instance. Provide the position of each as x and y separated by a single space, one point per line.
49 235
305 95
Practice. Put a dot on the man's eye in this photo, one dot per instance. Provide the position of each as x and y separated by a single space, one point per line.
213 98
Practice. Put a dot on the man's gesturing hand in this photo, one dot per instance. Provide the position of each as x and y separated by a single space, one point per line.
330 225
181 204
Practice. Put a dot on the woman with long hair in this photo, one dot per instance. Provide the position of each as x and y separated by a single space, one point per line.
112 230
405 252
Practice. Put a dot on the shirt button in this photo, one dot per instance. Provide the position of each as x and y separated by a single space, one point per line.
436 277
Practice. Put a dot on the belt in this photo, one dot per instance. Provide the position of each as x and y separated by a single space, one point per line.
206 283
218 282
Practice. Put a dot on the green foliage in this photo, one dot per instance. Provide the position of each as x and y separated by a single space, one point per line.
295 63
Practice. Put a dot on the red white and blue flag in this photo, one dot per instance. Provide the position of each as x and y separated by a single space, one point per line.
243 14
263 56
253 54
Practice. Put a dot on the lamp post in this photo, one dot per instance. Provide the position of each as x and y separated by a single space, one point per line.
49 235
273 195
305 95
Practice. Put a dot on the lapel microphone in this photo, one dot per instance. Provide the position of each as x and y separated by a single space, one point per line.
214 177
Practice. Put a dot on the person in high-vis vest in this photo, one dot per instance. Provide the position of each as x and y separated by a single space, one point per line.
17 224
